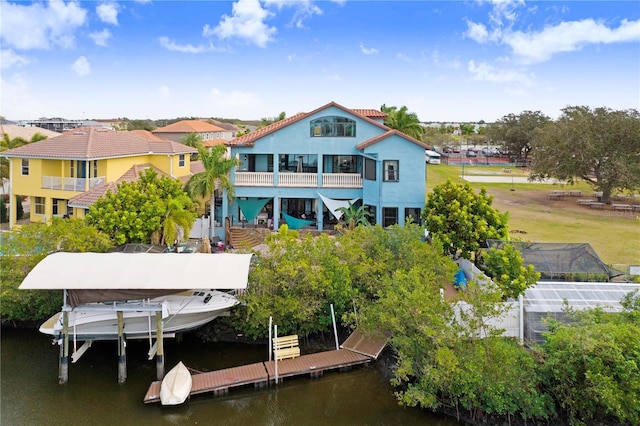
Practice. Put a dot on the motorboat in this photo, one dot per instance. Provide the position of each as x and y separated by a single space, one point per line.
176 385
181 311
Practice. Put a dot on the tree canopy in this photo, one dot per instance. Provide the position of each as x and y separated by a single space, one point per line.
296 279
143 211
463 220
403 121
193 140
507 270
600 146
515 133
24 248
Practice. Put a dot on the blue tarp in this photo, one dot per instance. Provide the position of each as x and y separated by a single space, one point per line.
459 280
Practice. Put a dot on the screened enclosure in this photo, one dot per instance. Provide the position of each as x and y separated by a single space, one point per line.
561 261
547 299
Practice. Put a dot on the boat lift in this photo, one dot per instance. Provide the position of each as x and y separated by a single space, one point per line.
131 271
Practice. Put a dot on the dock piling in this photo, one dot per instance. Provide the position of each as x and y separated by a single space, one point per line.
122 351
63 372
160 348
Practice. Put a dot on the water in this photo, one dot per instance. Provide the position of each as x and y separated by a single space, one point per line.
31 395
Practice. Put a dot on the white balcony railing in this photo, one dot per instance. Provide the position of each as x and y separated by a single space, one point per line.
70 184
308 180
254 179
298 179
341 180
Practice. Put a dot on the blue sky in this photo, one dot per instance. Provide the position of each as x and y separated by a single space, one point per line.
446 61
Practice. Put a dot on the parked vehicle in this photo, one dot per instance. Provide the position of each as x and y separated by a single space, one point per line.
432 157
471 154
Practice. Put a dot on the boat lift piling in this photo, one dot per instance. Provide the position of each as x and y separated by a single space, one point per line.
63 370
122 349
160 347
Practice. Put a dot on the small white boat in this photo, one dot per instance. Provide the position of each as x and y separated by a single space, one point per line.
182 311
176 385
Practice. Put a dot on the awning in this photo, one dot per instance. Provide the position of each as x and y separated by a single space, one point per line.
295 223
334 205
252 207
139 271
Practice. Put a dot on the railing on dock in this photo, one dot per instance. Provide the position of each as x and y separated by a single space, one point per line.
356 350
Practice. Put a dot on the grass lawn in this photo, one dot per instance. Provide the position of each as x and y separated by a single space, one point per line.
614 235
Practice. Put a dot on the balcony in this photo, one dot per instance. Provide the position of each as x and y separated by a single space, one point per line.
299 180
71 184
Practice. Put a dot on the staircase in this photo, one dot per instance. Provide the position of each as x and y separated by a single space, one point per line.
244 237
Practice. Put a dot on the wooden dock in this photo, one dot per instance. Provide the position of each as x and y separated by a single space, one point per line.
356 350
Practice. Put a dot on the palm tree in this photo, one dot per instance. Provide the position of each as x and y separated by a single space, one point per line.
403 121
217 166
352 216
176 218
193 140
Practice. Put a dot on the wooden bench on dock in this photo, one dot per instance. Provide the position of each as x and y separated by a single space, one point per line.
285 347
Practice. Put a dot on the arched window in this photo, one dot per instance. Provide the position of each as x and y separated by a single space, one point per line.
333 126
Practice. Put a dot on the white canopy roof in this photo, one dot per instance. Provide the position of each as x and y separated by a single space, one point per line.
139 271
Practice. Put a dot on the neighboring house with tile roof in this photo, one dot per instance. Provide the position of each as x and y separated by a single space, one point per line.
177 131
299 169
82 163
26 133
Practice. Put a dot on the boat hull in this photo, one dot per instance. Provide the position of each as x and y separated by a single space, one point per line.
181 312
176 385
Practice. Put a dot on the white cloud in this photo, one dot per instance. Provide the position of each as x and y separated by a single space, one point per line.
184 48
403 57
246 22
39 26
101 38
567 37
108 13
81 67
235 99
304 9
477 32
9 58
485 72
367 50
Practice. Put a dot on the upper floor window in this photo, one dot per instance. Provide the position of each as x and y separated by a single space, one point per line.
391 170
25 167
333 127
181 160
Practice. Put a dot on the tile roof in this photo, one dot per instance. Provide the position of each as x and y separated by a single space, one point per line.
388 134
250 138
371 113
189 126
226 126
15 131
87 198
88 143
214 142
149 135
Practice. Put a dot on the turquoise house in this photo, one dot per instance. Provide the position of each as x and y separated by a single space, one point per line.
300 170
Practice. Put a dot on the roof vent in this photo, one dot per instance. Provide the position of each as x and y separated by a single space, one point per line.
79 133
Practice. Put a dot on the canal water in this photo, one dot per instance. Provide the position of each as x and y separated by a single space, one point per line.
30 393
